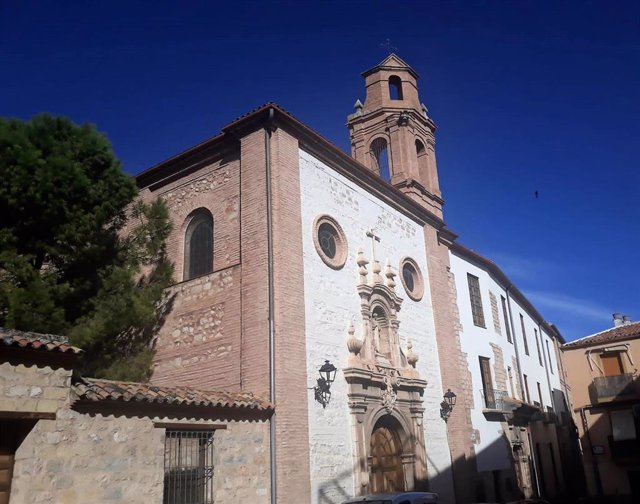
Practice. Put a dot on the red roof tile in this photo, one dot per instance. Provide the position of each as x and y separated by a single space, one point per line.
36 341
615 334
96 390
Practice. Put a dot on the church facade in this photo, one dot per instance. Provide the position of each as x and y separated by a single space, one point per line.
323 283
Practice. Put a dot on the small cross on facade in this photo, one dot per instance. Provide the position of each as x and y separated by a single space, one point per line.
374 238
387 45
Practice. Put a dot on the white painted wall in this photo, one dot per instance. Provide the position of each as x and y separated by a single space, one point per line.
332 301
476 342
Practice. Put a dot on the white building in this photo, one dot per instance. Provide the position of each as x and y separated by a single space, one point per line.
518 407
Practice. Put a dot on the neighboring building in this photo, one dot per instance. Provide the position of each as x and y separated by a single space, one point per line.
523 434
66 439
290 253
605 393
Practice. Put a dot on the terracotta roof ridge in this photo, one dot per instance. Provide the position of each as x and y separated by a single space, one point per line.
585 339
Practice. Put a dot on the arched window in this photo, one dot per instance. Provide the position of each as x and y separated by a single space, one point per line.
395 87
422 159
380 158
198 245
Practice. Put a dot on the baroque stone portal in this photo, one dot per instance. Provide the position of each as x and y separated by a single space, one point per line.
385 391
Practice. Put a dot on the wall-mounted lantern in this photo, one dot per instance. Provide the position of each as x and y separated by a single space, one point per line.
446 406
322 391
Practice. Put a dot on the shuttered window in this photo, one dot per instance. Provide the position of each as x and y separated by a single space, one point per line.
476 300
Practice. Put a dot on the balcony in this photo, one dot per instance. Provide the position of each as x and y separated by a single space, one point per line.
616 387
625 451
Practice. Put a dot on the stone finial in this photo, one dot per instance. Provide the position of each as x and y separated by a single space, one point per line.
353 344
412 357
425 111
358 105
376 268
388 272
362 262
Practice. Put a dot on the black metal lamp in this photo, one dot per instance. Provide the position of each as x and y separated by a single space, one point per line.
446 406
322 391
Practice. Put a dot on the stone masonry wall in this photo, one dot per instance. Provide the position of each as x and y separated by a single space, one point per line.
81 458
499 371
33 389
199 343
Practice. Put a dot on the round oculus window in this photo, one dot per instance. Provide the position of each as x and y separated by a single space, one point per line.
327 239
330 241
412 279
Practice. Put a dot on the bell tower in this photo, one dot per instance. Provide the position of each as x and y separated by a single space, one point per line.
392 135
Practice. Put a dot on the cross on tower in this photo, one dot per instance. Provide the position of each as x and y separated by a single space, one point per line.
374 239
387 45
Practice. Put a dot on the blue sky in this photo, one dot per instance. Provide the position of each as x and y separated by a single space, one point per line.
527 96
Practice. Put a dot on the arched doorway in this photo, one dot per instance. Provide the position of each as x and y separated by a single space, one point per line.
385 465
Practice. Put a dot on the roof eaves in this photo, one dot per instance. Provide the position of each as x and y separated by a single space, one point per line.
508 285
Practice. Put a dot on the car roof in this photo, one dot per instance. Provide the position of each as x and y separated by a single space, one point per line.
393 497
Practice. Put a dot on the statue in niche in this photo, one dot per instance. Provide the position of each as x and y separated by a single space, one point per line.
381 338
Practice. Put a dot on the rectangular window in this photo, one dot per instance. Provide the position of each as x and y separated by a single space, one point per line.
188 467
476 300
487 383
535 331
526 389
623 425
549 355
524 335
506 319
540 395
611 364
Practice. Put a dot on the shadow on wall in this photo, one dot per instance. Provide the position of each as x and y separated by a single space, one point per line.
611 440
516 467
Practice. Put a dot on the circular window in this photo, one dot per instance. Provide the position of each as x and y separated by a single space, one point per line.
330 241
412 278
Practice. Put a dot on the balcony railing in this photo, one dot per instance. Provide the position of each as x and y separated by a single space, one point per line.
608 388
493 399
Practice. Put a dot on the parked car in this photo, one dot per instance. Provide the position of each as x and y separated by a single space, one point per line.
396 498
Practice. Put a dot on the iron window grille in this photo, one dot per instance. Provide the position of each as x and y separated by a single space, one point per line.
188 467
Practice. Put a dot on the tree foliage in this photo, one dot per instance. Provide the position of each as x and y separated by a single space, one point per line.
79 253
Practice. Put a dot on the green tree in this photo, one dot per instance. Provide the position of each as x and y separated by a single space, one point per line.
79 253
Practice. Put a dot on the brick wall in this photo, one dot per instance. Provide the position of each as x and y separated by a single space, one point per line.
455 373
292 435
199 343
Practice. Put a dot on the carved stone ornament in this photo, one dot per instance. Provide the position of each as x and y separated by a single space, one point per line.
389 394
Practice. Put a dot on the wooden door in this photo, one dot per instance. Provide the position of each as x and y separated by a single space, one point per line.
8 443
612 364
387 474
487 383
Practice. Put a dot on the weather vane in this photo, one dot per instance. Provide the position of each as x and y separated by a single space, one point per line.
387 45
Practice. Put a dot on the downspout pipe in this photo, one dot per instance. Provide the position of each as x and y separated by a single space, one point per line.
543 347
272 353
532 450
515 346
